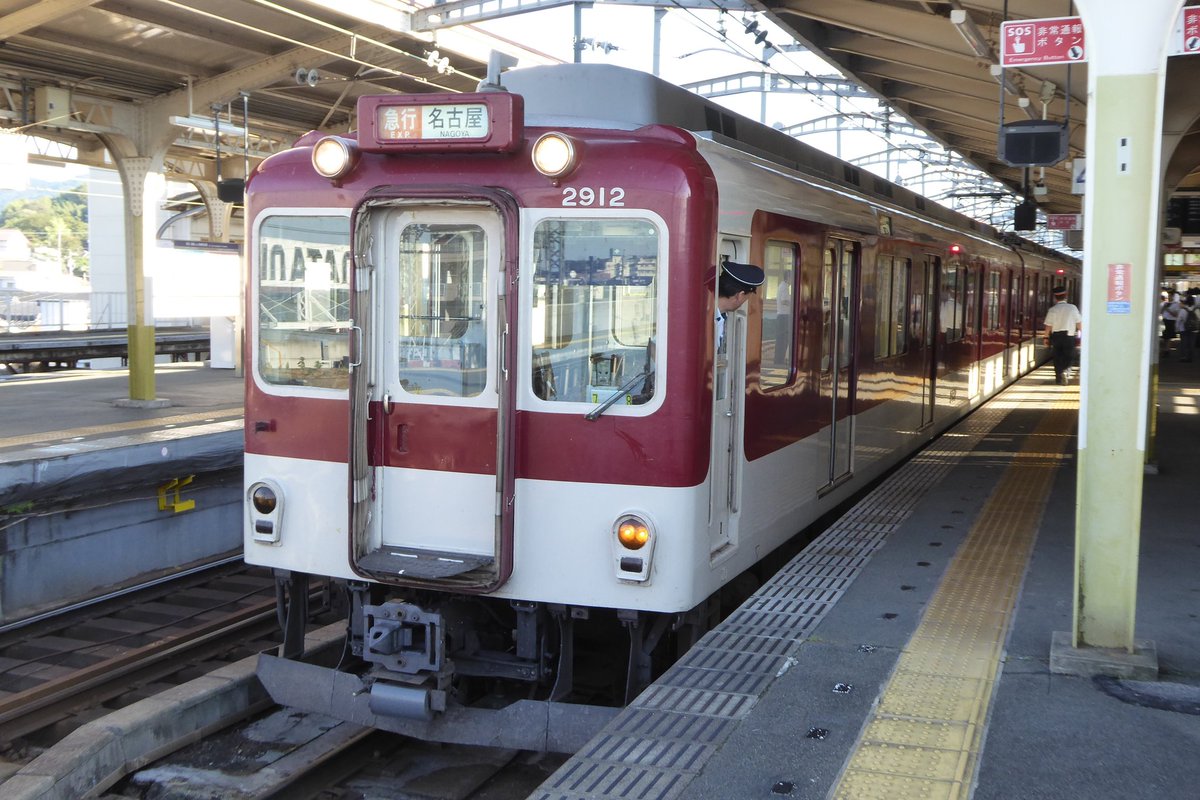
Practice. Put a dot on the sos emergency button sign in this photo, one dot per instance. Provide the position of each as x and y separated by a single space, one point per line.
1032 42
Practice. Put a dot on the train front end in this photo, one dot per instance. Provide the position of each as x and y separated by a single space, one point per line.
459 402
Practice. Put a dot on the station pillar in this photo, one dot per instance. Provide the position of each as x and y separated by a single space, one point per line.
1126 78
142 181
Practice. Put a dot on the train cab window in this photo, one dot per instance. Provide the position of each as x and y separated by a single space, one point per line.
594 310
780 263
303 299
951 311
892 277
442 312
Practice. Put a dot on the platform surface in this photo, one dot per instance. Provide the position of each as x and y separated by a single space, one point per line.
53 409
893 685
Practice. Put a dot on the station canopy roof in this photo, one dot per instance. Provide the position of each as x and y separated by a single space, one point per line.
302 65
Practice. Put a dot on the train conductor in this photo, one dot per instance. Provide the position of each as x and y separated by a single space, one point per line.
735 283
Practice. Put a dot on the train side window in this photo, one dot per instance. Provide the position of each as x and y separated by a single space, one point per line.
892 276
594 310
303 298
991 308
780 263
950 313
826 307
972 301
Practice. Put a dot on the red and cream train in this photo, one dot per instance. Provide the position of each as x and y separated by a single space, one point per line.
485 398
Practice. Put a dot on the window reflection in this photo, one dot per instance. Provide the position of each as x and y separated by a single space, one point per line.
594 314
304 301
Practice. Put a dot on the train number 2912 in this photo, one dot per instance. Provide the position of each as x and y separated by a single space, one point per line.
587 196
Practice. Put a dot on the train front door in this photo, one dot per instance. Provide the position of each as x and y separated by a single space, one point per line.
838 368
432 339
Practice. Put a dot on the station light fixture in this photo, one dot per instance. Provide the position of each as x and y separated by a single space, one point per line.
971 34
194 123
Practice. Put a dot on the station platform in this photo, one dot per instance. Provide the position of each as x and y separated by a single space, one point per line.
146 490
906 652
44 410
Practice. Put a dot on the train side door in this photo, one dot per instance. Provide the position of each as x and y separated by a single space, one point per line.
729 382
838 368
435 426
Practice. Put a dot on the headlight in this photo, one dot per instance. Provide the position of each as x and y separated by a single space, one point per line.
333 156
555 154
264 499
264 508
633 540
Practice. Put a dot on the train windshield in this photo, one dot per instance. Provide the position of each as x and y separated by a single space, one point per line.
304 300
595 306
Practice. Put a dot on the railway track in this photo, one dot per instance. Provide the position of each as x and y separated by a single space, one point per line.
285 754
61 670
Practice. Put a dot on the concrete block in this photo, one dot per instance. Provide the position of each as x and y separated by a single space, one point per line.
27 787
1087 662
160 724
88 758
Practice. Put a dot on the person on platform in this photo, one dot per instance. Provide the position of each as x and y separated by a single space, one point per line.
1063 326
735 283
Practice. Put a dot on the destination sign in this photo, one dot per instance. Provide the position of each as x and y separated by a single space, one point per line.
457 121
484 122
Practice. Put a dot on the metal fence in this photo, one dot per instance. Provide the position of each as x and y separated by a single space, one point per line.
74 311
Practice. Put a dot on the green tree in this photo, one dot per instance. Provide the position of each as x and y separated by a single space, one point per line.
58 223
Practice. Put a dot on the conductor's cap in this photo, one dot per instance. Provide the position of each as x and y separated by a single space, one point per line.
744 273
1060 291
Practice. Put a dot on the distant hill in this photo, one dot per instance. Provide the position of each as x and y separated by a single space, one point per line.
37 188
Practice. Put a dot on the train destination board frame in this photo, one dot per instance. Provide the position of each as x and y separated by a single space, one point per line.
483 122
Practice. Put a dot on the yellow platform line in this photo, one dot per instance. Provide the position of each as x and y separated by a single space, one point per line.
53 437
924 737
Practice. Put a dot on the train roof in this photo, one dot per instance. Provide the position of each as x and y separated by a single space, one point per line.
620 98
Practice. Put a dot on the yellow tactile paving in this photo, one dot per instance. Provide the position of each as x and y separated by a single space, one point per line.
924 736
52 437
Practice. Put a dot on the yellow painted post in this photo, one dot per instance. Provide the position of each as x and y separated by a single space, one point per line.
139 226
140 330
1111 454
1126 72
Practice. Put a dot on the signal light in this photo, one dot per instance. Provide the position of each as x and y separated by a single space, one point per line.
633 535
633 541
955 249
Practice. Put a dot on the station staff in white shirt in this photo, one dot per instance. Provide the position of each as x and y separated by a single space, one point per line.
1063 325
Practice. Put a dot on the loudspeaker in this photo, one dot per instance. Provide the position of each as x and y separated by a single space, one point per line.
1033 143
1025 216
232 190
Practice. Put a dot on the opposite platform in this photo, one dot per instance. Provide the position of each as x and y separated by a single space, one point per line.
95 497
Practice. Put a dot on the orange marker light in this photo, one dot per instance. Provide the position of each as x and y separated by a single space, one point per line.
632 535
